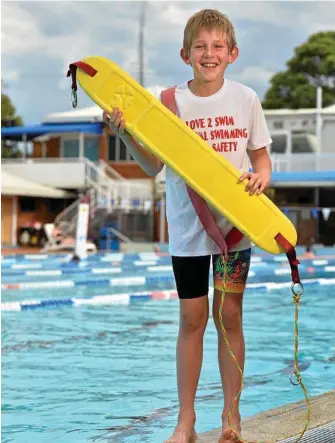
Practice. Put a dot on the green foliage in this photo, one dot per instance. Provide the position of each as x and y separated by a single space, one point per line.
313 64
9 118
8 113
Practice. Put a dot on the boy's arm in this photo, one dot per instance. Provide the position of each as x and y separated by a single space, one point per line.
259 138
260 178
148 162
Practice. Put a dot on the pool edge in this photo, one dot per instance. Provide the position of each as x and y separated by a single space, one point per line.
276 425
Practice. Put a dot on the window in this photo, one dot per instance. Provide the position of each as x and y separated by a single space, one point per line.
117 150
278 125
112 148
123 151
56 205
278 144
91 148
303 142
27 204
70 148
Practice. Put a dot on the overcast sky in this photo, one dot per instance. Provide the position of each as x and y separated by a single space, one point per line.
40 39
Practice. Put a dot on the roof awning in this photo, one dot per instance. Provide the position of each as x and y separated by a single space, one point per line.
17 132
303 179
12 184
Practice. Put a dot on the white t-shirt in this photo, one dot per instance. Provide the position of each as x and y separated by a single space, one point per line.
231 121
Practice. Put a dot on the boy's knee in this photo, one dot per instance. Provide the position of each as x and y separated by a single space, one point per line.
192 323
231 317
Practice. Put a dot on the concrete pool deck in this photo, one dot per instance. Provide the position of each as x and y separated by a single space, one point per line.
279 424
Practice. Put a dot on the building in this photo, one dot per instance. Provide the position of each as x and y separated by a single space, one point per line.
76 152
303 158
25 203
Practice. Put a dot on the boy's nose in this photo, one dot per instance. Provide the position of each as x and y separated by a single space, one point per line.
208 51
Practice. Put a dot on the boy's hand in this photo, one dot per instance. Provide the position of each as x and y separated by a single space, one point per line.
115 121
257 182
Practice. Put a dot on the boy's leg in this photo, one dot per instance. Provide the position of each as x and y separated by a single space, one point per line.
230 375
191 275
236 277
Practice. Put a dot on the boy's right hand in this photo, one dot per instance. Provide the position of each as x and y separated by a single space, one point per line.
115 122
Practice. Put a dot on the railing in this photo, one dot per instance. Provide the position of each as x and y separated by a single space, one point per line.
98 173
302 162
119 235
111 195
67 219
111 172
284 163
281 162
44 160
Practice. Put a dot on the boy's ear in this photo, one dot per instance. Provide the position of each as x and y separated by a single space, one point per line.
184 56
233 55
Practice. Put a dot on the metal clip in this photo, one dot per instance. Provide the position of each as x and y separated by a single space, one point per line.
74 98
298 379
297 288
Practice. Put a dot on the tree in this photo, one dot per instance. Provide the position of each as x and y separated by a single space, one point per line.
8 113
9 118
313 64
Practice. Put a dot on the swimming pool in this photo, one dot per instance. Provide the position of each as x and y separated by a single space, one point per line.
104 371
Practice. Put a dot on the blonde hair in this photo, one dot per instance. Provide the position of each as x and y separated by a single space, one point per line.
208 19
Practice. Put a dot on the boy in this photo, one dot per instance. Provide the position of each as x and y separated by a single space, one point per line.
232 121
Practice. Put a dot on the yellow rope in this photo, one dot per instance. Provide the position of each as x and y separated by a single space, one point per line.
296 299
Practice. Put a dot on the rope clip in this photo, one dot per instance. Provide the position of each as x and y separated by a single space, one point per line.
297 380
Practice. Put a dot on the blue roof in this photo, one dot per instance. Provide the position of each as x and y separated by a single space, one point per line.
303 177
36 130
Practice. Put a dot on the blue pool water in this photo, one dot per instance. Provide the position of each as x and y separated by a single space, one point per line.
106 373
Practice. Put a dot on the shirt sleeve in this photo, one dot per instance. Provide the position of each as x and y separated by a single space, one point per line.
156 93
259 132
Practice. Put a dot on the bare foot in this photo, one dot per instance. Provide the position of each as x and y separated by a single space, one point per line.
228 436
183 434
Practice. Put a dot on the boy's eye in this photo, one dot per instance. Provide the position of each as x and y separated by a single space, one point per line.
202 46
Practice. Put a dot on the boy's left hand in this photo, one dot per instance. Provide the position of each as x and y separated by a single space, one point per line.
257 182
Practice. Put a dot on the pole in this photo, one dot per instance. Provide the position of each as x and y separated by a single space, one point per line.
25 145
162 219
319 117
316 205
141 43
81 145
82 229
14 220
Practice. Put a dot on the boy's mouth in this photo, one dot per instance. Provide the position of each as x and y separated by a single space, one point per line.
209 65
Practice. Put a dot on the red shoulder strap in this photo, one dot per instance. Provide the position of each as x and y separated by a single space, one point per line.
201 208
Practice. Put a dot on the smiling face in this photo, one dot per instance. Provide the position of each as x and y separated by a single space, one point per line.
209 56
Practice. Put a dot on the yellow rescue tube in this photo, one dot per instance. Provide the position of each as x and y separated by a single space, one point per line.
207 172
